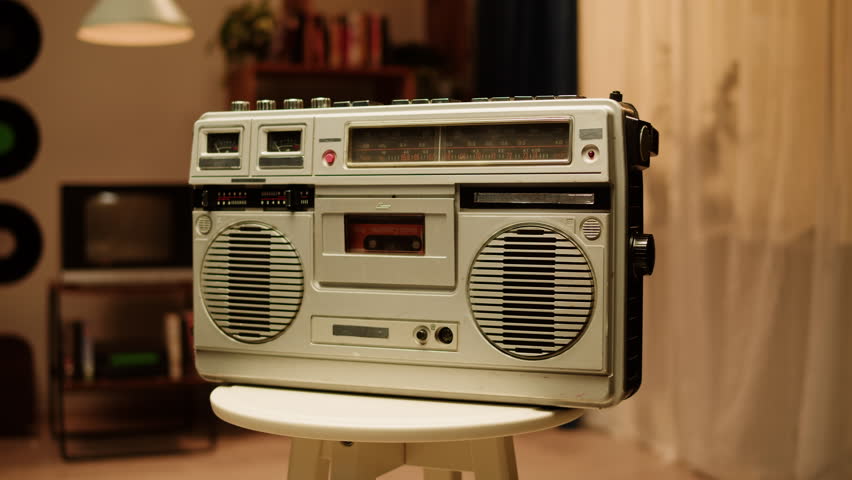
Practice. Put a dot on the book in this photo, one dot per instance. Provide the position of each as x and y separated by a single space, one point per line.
356 40
375 25
173 334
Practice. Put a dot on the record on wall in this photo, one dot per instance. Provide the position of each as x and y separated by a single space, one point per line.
20 243
19 138
20 38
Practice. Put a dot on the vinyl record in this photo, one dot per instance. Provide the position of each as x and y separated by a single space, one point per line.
20 38
20 243
18 138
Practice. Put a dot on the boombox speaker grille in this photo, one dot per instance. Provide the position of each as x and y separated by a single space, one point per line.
531 291
251 282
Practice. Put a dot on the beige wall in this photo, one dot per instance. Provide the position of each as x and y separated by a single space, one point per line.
110 114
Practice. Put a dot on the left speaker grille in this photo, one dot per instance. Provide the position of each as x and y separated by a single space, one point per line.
252 282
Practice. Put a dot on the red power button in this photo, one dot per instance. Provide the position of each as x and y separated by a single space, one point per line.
329 156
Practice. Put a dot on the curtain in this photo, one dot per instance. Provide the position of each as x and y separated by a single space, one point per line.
748 316
526 48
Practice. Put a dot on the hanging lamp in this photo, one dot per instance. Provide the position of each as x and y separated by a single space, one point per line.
135 23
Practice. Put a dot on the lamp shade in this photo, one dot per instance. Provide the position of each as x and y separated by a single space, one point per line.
135 23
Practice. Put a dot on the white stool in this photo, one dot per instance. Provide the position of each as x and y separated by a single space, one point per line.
359 437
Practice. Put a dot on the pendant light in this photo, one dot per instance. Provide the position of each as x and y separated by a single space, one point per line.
135 23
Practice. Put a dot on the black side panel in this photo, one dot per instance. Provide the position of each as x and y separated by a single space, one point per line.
634 289
639 147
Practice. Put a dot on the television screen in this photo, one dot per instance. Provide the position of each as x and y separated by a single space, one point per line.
128 228
108 227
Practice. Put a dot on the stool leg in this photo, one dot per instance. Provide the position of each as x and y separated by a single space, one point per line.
364 461
494 459
433 474
305 460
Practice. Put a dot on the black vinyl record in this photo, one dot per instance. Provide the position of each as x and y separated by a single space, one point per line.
20 38
17 262
18 138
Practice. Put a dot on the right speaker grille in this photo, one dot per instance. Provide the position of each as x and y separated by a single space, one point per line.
531 291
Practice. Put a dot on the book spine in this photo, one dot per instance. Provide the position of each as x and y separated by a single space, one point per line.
376 43
87 347
172 326
68 357
356 40
77 333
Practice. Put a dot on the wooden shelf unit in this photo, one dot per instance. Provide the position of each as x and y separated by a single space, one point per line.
180 403
277 81
131 383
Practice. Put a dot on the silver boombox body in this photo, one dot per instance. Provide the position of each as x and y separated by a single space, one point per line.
486 250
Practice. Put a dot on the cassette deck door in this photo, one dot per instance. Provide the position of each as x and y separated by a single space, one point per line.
382 242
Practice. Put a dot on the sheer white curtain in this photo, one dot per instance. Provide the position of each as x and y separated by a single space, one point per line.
748 333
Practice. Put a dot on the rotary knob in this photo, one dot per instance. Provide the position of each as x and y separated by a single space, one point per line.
293 103
642 254
265 105
239 106
320 102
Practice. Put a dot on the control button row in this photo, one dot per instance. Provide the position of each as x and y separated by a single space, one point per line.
325 102
357 103
422 101
520 98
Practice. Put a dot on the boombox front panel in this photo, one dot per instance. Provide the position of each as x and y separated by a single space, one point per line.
483 279
361 307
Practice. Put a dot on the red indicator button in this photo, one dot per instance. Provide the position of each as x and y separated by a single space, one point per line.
329 156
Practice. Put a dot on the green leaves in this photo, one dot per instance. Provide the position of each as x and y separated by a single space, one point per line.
247 32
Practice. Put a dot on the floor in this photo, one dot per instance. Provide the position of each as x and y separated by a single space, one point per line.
552 454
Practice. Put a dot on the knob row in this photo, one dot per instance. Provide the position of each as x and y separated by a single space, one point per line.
287 104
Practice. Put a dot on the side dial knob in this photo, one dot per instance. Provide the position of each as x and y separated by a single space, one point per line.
642 254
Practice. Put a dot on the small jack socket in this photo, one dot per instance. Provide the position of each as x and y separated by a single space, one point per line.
421 334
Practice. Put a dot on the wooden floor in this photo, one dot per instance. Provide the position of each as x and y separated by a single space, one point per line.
553 454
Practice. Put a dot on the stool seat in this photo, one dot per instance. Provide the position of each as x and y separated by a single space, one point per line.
360 437
371 418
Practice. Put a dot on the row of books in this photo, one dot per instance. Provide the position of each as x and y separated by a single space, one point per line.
86 358
352 40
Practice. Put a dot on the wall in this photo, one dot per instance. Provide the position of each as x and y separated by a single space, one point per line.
119 115
105 114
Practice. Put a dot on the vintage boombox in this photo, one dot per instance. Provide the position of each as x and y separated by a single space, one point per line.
490 250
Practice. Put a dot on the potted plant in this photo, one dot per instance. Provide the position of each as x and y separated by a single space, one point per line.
246 33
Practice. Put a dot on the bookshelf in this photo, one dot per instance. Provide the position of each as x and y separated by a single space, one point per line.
277 81
152 399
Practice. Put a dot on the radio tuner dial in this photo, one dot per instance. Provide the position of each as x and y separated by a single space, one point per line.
642 253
